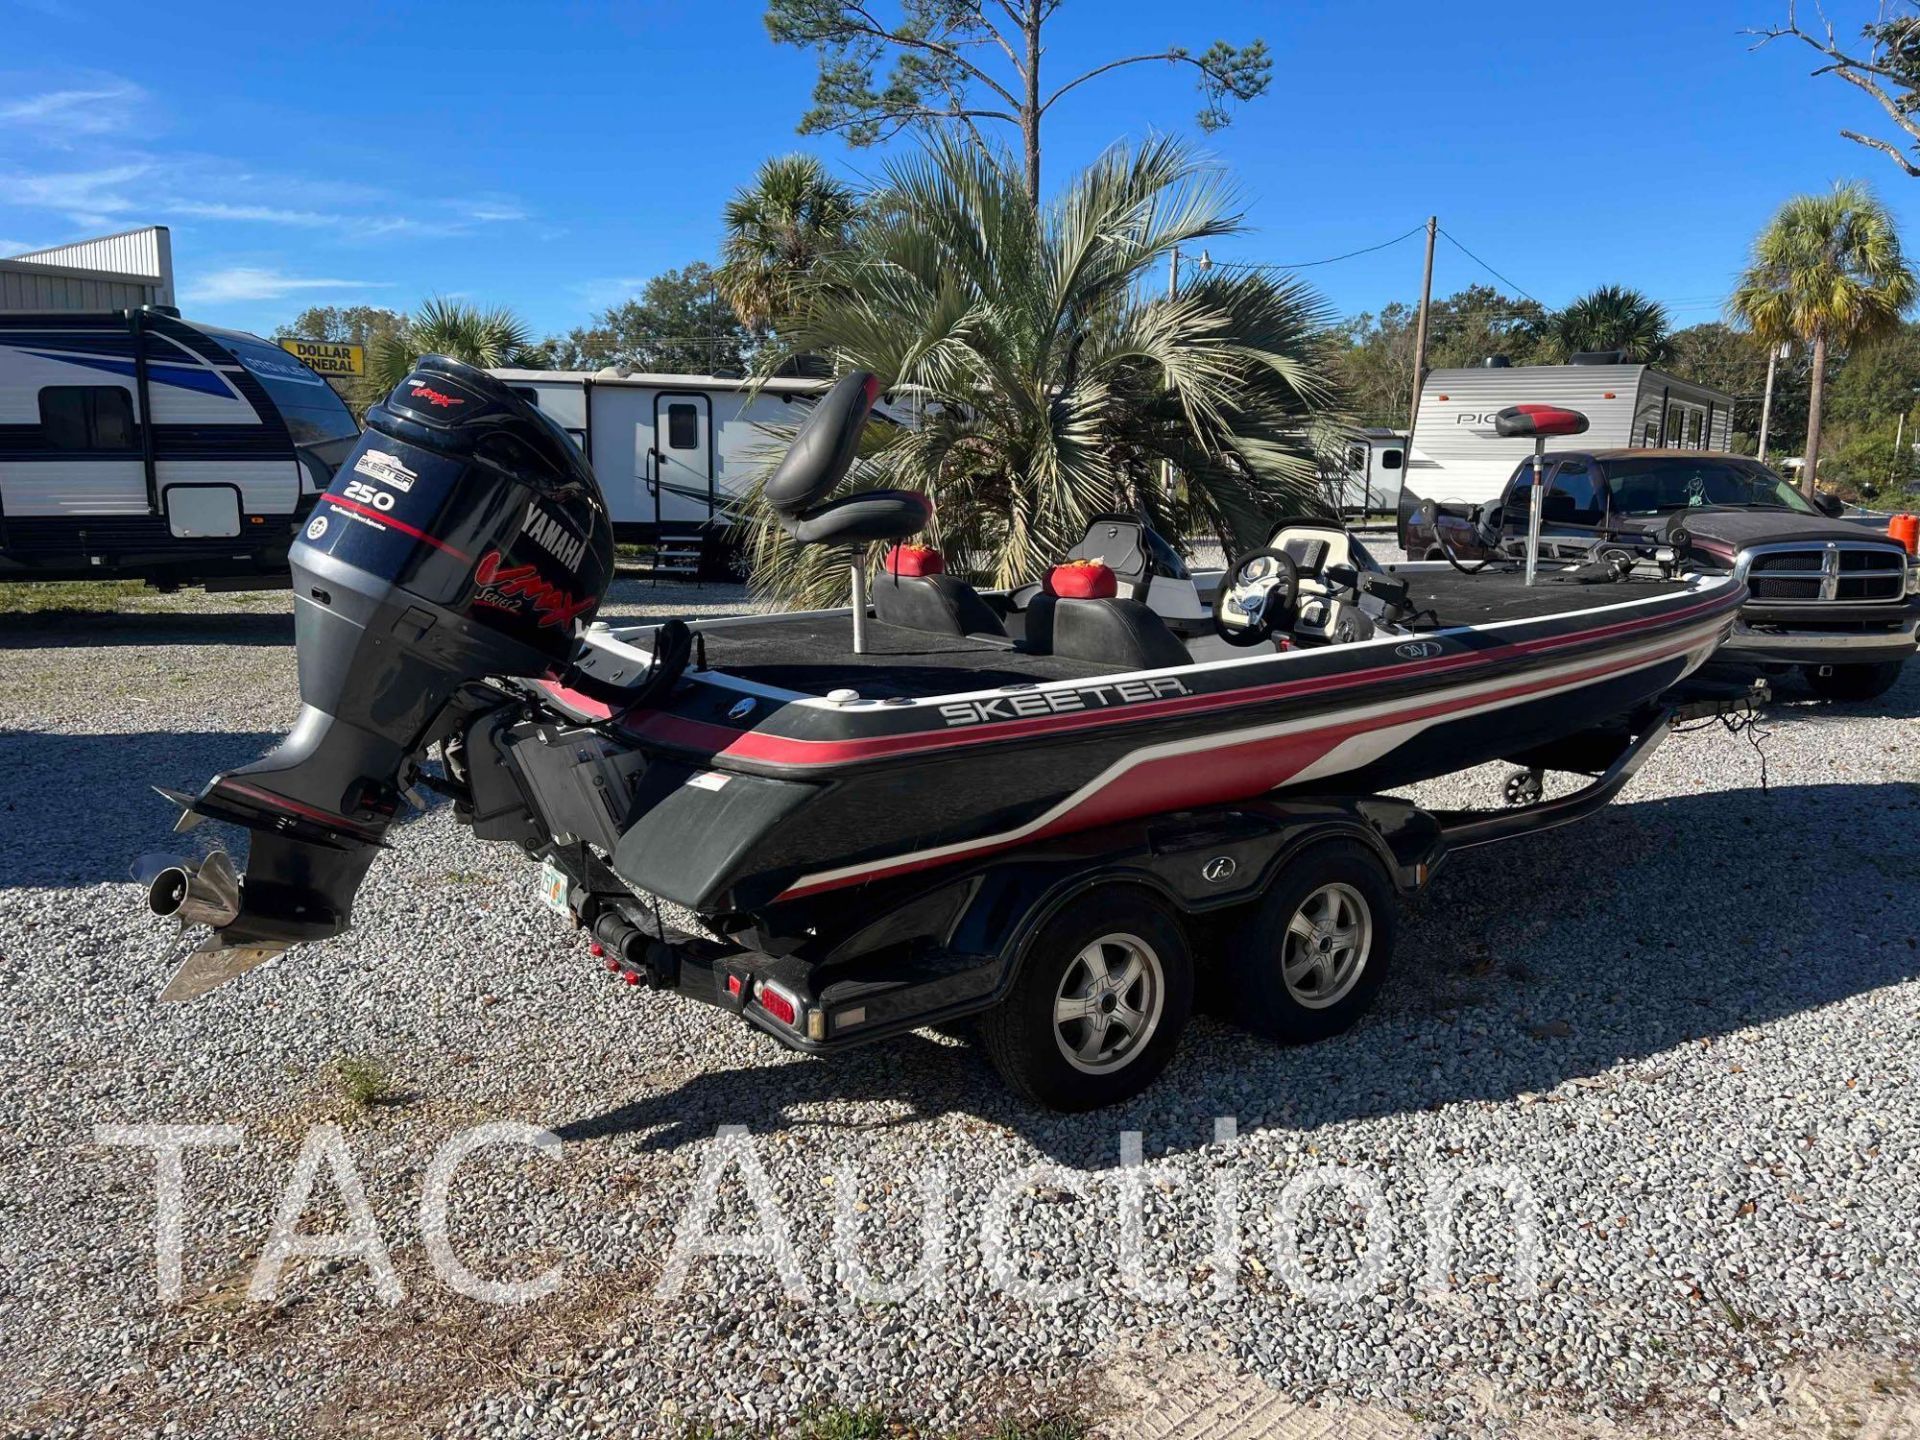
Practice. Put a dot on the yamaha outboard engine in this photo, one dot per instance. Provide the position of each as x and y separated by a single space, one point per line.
464 537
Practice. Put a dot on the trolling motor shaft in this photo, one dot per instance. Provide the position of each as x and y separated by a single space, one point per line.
1537 422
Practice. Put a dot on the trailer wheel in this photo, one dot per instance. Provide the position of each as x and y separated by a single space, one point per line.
1103 992
1314 953
1853 682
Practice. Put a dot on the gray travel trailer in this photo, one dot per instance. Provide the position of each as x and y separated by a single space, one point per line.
1456 458
137 445
672 452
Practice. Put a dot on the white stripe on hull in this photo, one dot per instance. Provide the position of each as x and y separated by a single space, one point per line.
1701 642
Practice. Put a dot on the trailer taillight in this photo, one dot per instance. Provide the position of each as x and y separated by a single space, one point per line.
777 1003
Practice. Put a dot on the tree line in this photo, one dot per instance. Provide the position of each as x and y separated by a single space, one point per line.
1055 379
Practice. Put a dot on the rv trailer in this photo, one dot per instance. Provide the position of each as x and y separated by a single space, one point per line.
137 445
1455 457
671 452
1366 477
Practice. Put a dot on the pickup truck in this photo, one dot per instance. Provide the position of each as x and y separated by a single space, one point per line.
1835 599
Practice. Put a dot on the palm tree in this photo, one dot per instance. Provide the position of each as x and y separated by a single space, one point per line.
1826 272
1047 383
1613 317
452 328
778 229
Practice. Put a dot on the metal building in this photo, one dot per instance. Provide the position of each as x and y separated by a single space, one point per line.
114 272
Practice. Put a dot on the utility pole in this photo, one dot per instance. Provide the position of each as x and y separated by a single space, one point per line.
1766 399
1173 293
1420 335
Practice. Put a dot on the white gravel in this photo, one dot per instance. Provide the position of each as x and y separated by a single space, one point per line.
1686 1026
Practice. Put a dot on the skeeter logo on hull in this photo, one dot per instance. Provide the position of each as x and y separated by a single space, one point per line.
1024 705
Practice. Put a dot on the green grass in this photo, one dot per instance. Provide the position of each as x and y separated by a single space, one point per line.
37 598
364 1081
1051 1427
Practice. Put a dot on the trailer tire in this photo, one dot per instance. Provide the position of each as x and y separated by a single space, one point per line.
1327 892
1854 682
1112 952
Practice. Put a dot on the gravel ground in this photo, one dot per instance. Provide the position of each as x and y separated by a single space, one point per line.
1684 1028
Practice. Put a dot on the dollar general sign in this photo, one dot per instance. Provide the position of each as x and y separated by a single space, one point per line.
328 358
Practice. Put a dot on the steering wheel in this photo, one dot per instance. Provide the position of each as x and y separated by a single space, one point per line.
1256 598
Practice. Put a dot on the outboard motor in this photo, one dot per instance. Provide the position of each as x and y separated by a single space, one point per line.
464 537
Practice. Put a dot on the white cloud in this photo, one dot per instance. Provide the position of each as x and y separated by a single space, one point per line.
113 183
95 107
15 247
606 292
87 197
250 282
259 214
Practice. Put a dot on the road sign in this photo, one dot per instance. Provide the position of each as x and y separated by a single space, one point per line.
328 357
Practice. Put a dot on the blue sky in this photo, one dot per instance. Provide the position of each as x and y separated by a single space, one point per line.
552 156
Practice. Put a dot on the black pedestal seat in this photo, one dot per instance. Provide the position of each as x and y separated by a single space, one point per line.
813 468
862 518
821 455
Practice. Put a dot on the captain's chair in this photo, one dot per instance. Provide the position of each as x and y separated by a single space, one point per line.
1145 569
816 463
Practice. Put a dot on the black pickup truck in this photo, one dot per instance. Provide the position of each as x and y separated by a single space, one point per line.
1837 599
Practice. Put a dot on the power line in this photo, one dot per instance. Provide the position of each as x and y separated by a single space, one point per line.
1488 268
1330 260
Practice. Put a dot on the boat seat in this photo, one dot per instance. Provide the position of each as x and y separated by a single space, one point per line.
914 592
1145 568
1080 617
1121 633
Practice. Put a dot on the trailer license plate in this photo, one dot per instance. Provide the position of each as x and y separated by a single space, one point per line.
553 889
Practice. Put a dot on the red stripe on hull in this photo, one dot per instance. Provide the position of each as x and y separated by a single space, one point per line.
754 746
1227 772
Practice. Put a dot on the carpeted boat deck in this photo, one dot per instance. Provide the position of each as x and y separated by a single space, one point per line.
813 654
1445 598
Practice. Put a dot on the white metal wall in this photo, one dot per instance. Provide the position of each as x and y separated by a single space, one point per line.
1457 456
113 272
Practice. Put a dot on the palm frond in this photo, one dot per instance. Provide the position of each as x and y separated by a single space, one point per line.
1050 382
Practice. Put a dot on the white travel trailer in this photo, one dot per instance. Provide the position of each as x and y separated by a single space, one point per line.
1456 458
672 452
138 445
1368 474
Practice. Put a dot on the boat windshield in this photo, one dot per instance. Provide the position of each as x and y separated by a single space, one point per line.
1656 484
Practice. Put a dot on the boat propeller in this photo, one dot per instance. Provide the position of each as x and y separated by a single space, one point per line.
200 892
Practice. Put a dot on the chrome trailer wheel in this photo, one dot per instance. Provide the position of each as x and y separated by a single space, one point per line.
1108 1003
1097 1005
1326 947
1308 960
